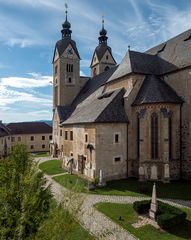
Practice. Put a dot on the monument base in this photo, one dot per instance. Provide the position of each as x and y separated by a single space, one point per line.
152 214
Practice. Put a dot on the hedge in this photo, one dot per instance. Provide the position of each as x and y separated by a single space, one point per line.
167 215
142 207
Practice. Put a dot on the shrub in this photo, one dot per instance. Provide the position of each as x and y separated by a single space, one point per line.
142 207
167 215
166 220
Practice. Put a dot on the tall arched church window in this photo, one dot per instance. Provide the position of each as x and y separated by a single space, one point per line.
106 68
138 136
170 135
154 136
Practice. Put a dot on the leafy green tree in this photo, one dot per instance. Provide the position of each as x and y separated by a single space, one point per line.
24 196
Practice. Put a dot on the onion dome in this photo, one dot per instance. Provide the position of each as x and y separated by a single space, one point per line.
103 34
66 31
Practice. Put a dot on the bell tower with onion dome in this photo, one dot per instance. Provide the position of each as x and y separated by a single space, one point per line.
102 59
66 67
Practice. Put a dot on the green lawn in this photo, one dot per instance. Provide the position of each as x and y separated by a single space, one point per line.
132 187
52 167
72 182
129 216
41 154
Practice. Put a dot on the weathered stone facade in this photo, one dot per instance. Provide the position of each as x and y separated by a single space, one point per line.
144 133
36 136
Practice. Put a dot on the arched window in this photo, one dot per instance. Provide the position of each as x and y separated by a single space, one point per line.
69 67
107 57
138 136
154 136
69 80
170 135
106 68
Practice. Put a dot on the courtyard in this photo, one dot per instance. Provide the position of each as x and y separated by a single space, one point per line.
108 213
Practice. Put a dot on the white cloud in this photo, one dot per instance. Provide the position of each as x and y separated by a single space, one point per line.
8 97
21 82
20 116
9 93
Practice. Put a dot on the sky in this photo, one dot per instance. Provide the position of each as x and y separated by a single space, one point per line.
29 30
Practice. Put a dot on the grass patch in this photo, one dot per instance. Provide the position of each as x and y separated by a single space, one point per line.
132 187
41 154
72 182
129 216
52 167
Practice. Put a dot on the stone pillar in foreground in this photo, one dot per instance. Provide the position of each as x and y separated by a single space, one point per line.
153 207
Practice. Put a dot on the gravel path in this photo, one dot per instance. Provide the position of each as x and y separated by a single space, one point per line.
94 221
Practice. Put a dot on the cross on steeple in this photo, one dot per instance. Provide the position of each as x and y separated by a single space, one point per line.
66 11
103 21
66 31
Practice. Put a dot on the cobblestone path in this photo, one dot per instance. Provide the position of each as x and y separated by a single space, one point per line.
94 221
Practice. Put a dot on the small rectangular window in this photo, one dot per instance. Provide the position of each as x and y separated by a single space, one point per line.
71 135
86 138
19 139
32 138
43 137
12 139
117 159
116 138
32 146
66 135
43 146
50 137
60 132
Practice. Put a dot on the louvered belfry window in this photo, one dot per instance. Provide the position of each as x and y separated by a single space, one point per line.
154 136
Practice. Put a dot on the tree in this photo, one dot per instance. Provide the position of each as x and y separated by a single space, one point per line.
24 196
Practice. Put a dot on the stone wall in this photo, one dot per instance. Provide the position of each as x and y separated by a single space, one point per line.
107 150
163 111
78 147
181 82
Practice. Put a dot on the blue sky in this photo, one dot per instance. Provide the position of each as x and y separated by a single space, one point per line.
30 28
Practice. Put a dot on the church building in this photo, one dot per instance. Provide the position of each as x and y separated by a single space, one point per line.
127 120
